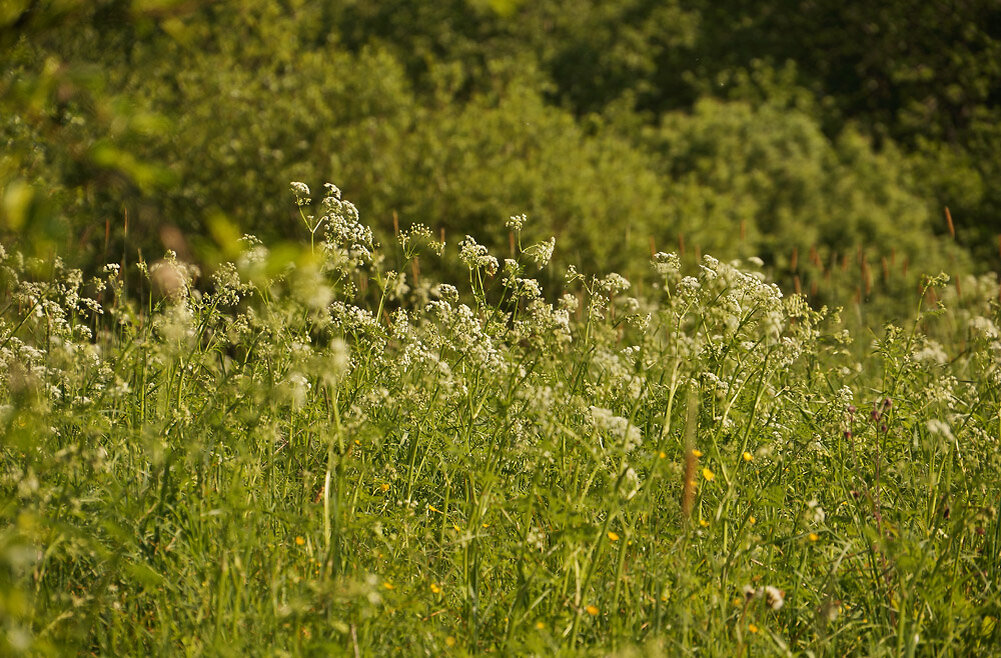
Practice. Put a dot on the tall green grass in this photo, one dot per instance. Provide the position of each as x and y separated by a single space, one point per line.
321 452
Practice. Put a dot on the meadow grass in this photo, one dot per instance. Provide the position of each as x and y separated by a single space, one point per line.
320 452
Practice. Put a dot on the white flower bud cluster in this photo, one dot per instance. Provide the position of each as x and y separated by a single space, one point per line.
301 192
516 222
542 252
475 256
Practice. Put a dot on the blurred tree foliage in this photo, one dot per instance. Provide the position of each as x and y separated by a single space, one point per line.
771 128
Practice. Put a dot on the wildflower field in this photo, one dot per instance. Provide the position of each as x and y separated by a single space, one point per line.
320 450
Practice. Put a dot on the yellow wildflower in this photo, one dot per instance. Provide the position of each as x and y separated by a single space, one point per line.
708 475
613 536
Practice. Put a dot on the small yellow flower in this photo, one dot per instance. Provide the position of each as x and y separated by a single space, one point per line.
384 486
703 523
752 628
752 520
434 509
540 626
435 588
456 527
748 456
813 536
485 525
696 452
450 641
613 536
591 610
299 541
708 475
662 454
388 585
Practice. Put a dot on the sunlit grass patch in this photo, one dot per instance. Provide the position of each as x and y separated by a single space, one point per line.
313 452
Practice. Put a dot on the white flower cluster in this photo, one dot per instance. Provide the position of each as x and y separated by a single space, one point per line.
446 292
542 324
347 242
612 284
229 288
516 222
616 427
984 327
542 252
355 320
930 352
475 256
173 277
773 596
815 513
417 235
939 428
176 325
301 192
667 265
527 288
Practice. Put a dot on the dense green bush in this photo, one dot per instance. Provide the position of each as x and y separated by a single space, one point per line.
256 97
767 182
924 76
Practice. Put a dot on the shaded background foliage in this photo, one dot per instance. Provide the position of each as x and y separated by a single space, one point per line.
768 129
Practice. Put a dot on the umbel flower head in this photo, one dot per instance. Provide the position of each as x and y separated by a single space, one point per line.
475 256
542 252
516 222
301 192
